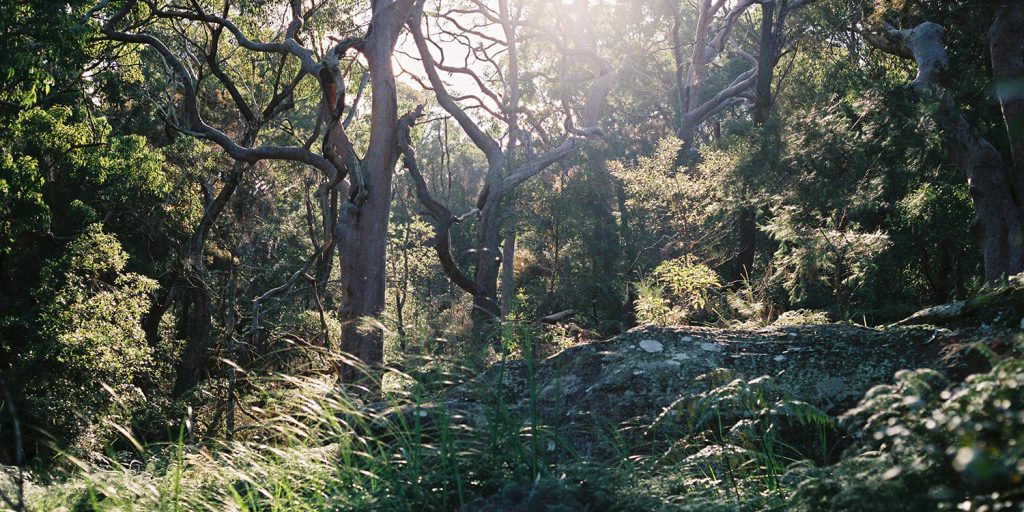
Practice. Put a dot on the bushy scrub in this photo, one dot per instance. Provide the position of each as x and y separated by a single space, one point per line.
743 429
820 258
95 348
937 218
21 199
801 317
921 446
309 445
677 292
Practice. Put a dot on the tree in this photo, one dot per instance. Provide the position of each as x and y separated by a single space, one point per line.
997 187
709 40
712 31
93 337
714 25
503 173
358 228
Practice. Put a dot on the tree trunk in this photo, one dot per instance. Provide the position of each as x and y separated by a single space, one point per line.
708 41
488 261
501 177
508 270
746 226
766 59
363 225
196 357
998 226
325 265
1006 38
189 276
941 280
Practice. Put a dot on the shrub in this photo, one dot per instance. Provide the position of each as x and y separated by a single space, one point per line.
831 258
94 343
678 290
920 446
801 317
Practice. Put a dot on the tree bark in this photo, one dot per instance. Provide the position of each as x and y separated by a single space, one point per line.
488 262
196 358
502 177
362 219
190 276
766 61
746 226
998 224
770 45
508 271
708 41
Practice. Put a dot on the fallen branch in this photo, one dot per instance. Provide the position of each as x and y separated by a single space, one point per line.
553 318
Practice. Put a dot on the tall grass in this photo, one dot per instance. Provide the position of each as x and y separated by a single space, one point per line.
304 443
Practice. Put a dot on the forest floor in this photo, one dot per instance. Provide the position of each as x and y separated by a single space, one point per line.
926 415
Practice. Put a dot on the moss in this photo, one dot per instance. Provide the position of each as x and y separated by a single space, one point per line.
1003 307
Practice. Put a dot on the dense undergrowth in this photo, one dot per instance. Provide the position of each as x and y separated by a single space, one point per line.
302 443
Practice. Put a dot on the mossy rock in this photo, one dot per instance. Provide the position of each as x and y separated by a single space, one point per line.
1003 307
624 383
1000 307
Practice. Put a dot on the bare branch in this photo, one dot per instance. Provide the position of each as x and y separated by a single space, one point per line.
193 120
483 141
441 217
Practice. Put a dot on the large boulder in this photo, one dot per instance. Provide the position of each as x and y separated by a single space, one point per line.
619 387
638 374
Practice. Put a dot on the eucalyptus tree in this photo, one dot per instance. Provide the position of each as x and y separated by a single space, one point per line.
996 184
495 42
723 61
712 30
191 39
714 26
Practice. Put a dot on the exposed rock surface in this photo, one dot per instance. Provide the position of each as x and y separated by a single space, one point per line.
638 374
589 390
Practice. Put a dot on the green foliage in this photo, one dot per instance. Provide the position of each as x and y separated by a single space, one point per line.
860 209
324 330
416 290
678 289
924 447
741 444
59 173
801 317
665 204
937 218
687 281
733 442
838 259
124 168
652 307
40 44
22 207
310 446
999 304
95 346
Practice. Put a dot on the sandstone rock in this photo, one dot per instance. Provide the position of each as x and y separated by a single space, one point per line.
586 389
936 315
651 346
